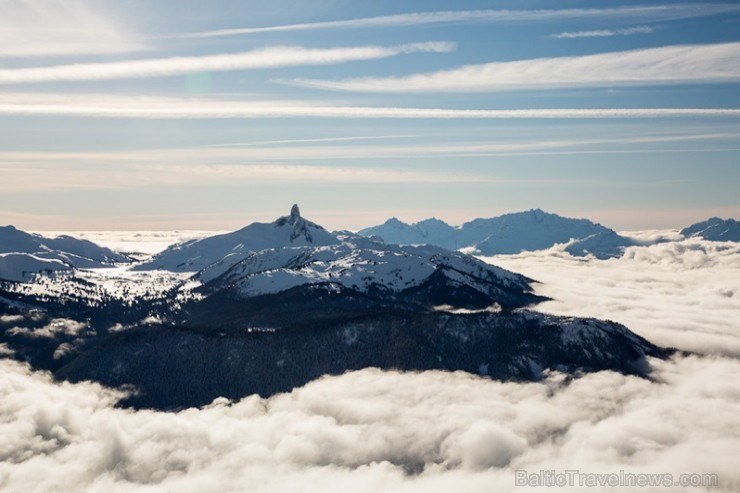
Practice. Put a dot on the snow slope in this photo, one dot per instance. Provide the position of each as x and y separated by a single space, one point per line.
361 265
22 267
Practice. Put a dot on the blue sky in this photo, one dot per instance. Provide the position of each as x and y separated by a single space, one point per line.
194 115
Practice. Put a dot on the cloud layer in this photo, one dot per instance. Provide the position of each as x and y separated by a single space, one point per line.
370 431
664 65
684 294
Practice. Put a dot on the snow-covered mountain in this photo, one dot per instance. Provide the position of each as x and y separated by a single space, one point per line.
228 249
25 253
431 231
426 274
714 229
506 234
13 240
607 244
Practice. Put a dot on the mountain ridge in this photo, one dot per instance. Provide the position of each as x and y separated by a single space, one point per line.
506 234
714 229
24 254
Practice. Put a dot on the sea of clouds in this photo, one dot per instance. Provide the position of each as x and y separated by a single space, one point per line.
683 294
370 431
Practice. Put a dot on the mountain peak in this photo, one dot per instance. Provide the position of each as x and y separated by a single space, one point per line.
293 219
295 213
227 249
432 221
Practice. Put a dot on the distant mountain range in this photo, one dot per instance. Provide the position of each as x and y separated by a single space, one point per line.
714 229
24 255
507 234
274 305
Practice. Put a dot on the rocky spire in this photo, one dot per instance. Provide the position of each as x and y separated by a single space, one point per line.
295 214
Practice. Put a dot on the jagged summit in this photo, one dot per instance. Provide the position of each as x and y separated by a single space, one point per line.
538 214
292 218
301 227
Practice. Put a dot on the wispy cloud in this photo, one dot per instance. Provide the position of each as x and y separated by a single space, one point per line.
312 141
108 106
605 33
33 28
122 173
272 57
664 65
642 12
270 161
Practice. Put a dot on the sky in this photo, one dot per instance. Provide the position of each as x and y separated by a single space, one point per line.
191 115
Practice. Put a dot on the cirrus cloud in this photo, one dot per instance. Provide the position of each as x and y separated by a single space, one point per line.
605 33
666 12
679 64
151 107
264 58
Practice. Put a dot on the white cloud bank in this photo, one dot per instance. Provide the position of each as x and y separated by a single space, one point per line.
665 12
114 106
708 63
34 28
272 57
684 294
371 431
